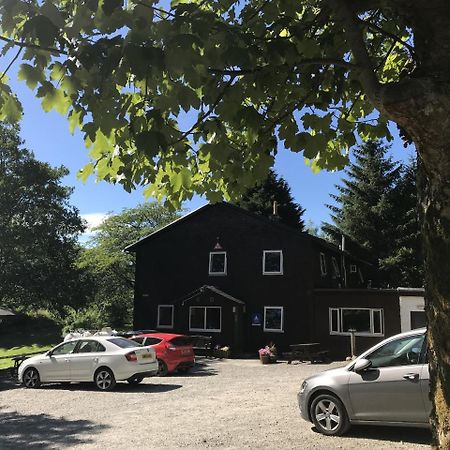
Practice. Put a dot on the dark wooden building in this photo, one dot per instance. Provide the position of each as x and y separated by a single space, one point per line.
247 280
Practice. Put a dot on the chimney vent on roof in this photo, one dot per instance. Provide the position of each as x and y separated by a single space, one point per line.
275 208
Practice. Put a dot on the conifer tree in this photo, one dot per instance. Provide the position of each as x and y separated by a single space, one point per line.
366 207
405 263
259 199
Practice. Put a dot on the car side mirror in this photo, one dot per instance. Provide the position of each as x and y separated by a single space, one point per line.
49 353
361 365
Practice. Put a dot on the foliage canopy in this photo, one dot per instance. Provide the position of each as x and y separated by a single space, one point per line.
38 230
126 74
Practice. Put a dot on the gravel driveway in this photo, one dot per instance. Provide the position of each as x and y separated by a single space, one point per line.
232 404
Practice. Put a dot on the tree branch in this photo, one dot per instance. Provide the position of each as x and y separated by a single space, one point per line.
35 46
386 33
305 62
206 114
10 64
344 12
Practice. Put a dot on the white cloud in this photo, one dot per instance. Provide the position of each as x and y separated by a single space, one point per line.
93 220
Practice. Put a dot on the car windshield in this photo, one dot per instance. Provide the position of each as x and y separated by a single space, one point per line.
124 343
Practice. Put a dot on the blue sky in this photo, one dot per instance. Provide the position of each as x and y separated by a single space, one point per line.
48 136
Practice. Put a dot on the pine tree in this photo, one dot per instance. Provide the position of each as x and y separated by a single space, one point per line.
366 210
405 263
259 199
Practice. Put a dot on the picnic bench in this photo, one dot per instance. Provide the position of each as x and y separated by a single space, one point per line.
202 345
306 352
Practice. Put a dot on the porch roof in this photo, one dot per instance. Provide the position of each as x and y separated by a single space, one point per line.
210 288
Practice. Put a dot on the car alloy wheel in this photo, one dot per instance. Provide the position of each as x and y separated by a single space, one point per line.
329 415
162 368
104 379
31 378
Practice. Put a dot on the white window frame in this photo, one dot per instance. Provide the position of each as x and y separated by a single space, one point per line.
159 316
353 268
339 331
274 330
280 272
210 272
323 264
211 330
335 266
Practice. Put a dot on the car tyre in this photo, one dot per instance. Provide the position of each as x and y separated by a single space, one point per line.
135 380
162 368
329 415
104 379
31 378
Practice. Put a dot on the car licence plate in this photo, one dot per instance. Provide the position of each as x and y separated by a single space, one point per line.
146 355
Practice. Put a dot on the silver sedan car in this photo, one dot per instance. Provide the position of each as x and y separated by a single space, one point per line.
386 385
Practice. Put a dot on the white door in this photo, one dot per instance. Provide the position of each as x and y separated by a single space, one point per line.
85 359
57 366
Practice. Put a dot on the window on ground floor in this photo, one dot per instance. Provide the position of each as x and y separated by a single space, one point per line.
273 318
365 321
205 318
165 316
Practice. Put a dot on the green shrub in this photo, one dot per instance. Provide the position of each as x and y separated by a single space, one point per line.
89 318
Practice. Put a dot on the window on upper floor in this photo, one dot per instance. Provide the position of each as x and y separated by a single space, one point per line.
272 262
165 316
205 318
365 321
323 264
335 265
217 263
353 268
273 318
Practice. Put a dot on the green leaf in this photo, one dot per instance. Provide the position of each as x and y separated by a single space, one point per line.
85 172
31 75
11 109
50 11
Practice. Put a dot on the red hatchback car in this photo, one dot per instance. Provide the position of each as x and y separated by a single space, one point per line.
173 351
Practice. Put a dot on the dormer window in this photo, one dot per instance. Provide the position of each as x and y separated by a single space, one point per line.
273 262
217 263
336 271
323 264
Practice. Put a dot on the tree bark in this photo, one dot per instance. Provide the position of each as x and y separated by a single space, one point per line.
420 105
426 118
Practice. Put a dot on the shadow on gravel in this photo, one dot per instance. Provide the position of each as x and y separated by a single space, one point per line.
7 383
203 368
42 431
121 388
391 434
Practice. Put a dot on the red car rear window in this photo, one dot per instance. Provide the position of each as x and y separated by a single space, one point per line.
181 341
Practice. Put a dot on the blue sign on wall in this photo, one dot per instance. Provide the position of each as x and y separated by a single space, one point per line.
256 319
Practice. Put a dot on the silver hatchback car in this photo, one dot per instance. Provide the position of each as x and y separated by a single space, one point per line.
386 385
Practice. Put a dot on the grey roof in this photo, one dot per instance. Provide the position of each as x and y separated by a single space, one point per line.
6 312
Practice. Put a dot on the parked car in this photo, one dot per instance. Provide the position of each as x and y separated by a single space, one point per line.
173 351
101 359
387 385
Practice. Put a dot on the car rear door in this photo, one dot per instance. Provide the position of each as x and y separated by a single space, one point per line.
85 359
390 391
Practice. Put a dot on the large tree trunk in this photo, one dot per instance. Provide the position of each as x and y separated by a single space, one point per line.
422 108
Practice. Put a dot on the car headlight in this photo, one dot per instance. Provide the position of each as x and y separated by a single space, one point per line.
303 387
